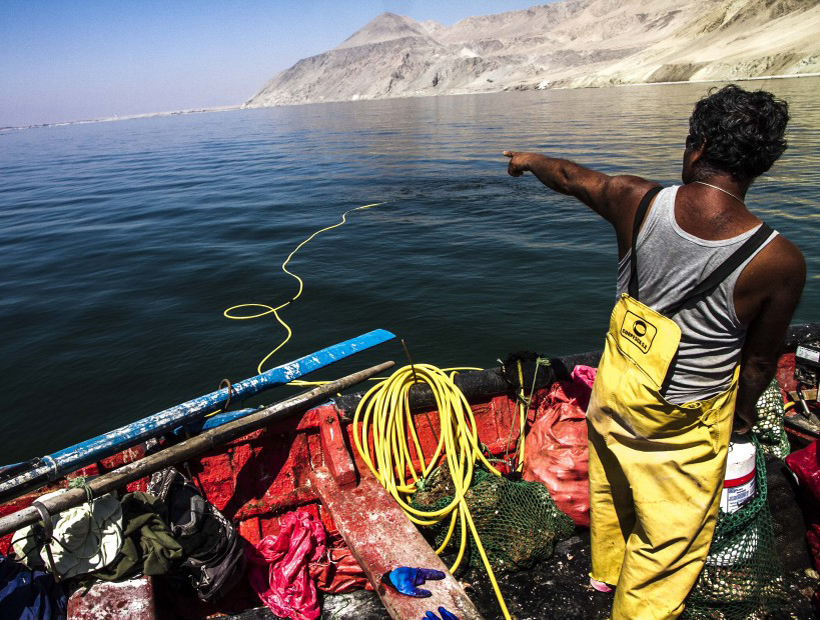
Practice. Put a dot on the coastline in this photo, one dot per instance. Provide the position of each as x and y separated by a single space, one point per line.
244 106
519 88
130 117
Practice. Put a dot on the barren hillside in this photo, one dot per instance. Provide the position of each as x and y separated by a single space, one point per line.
570 43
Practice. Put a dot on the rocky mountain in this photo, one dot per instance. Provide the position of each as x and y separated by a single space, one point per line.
570 43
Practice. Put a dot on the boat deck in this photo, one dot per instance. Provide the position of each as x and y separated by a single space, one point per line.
255 479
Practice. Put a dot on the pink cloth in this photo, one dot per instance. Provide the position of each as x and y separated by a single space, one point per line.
580 388
584 374
278 567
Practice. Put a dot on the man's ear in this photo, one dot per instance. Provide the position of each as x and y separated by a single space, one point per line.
697 152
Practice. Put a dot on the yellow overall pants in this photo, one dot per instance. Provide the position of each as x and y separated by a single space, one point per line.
656 470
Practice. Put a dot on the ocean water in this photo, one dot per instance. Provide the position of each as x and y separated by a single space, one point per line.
121 243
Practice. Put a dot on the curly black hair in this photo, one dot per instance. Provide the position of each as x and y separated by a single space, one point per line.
743 132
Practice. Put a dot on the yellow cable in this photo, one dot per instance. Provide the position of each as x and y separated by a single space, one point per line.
383 420
303 383
266 309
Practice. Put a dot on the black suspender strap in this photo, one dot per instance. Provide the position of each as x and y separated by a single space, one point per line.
713 280
640 214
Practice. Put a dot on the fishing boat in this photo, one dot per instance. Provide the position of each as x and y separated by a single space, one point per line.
306 460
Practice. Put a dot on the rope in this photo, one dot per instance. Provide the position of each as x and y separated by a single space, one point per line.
48 527
266 309
458 441
230 313
80 483
524 407
516 461
383 417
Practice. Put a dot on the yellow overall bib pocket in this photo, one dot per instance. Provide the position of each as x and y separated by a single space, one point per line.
641 345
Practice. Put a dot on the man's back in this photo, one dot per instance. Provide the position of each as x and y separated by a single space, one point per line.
671 263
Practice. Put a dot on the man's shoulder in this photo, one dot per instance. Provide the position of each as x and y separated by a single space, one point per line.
623 194
772 283
783 256
779 268
627 190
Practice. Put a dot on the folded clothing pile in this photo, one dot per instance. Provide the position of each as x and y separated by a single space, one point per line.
171 530
148 548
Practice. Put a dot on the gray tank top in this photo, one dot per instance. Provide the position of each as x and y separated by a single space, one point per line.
671 262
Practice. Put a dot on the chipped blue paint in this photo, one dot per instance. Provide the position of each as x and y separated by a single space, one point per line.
218 419
65 461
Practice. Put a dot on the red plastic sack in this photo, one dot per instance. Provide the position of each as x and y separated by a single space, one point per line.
556 451
805 464
278 567
338 572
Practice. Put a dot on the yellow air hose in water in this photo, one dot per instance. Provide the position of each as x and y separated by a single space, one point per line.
383 419
266 309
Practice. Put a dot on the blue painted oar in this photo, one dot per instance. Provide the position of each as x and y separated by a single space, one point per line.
40 471
218 419
5 469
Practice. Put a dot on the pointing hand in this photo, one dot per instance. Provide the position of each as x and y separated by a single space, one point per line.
518 163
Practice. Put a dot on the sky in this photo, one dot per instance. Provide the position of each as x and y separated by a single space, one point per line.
67 60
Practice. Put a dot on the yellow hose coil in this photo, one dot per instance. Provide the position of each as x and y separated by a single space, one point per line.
383 418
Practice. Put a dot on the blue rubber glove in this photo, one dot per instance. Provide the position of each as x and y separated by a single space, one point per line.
405 579
445 615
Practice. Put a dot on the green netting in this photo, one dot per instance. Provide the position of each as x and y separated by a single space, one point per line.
518 521
769 428
741 579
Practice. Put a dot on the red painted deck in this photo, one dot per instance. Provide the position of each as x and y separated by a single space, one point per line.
382 538
255 479
132 600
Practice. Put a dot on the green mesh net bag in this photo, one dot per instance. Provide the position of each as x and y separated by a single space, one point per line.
518 522
769 428
741 579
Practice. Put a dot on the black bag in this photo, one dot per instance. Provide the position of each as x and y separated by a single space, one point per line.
526 371
214 554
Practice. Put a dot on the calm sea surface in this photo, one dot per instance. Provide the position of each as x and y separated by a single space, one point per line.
121 243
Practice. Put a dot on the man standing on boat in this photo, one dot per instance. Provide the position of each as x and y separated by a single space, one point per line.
706 294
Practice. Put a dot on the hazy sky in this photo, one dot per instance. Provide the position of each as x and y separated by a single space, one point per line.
64 60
